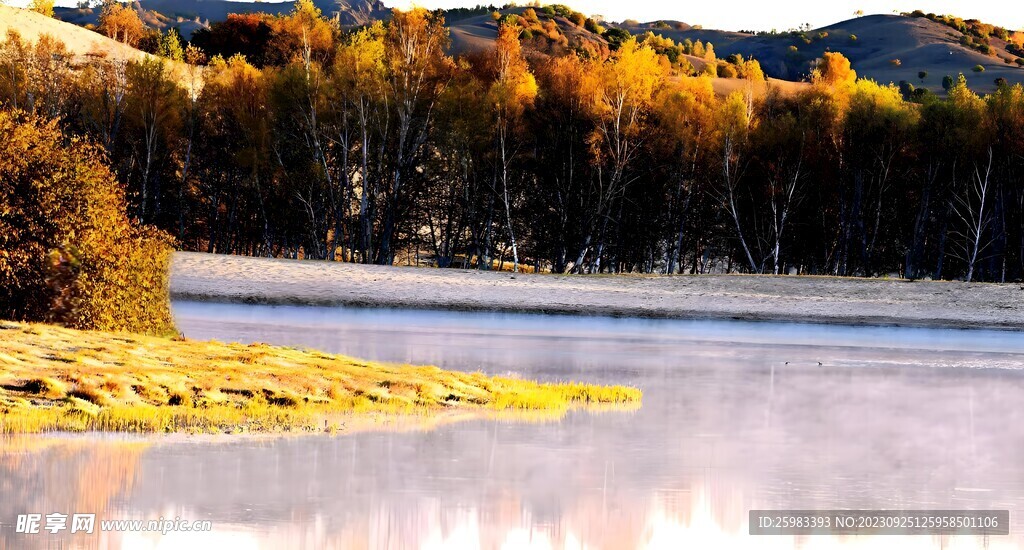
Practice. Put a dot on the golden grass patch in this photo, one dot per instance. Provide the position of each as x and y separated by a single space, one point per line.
58 379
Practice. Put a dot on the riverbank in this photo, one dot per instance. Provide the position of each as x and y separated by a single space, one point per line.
53 378
833 300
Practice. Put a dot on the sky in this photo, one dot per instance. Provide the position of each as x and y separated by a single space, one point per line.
754 14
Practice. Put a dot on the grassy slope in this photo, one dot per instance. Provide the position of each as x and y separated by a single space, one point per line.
78 40
919 44
83 44
60 379
473 34
477 33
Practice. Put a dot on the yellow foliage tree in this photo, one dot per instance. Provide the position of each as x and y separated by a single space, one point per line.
417 69
628 83
685 114
735 123
750 69
513 90
359 76
121 22
833 70
36 77
68 251
304 34
44 7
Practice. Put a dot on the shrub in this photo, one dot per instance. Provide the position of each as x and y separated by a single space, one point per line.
1020 61
69 254
922 75
978 69
616 37
907 89
923 96
726 70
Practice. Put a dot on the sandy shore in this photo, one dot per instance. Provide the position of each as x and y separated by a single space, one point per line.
205 277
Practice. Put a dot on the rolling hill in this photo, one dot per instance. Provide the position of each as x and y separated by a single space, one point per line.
679 31
885 48
190 15
82 42
477 33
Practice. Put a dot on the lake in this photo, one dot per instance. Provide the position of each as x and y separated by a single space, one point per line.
736 416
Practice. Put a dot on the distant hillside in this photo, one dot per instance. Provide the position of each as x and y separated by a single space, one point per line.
679 31
556 33
190 15
82 42
475 33
349 12
547 33
885 48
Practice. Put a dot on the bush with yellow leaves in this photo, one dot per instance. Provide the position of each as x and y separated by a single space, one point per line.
69 254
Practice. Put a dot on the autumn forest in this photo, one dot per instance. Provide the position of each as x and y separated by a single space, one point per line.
299 138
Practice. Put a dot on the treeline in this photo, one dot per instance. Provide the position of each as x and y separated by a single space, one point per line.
375 146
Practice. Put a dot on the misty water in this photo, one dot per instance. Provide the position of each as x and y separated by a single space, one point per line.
735 416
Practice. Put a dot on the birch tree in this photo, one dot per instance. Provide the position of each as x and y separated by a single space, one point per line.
627 85
511 93
736 119
417 71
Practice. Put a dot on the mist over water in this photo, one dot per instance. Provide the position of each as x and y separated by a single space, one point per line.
736 416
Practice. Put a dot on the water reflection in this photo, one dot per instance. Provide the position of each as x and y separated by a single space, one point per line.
735 417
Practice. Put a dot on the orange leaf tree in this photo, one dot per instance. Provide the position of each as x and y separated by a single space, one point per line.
68 251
